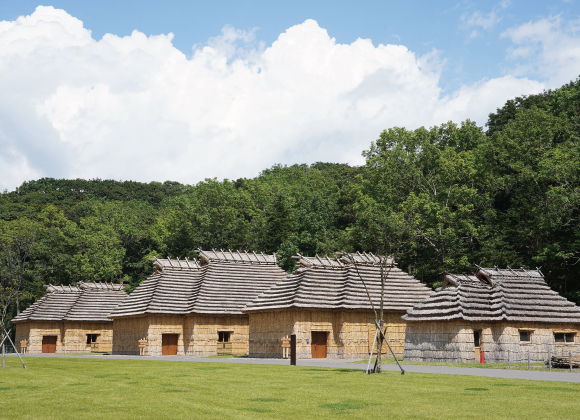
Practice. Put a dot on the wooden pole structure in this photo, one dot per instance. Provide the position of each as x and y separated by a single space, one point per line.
570 359
528 359
378 363
550 359
7 336
293 350
372 352
392 352
509 359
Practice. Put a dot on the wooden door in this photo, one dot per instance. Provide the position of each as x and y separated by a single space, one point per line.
318 345
169 344
49 343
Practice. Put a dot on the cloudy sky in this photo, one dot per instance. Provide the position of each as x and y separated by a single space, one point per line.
187 90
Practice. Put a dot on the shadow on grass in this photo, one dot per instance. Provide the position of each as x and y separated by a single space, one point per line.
257 410
348 405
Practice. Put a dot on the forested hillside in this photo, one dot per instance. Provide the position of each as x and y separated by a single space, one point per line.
439 199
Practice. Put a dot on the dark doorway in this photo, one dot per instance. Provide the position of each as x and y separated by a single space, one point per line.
49 343
477 345
319 344
169 344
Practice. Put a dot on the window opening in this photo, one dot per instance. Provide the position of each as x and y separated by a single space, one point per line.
224 336
564 337
92 338
525 336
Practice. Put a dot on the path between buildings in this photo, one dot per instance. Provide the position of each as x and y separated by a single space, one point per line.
346 364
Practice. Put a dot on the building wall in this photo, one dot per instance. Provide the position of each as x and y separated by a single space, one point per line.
75 335
452 341
164 324
197 334
127 332
71 336
205 334
350 334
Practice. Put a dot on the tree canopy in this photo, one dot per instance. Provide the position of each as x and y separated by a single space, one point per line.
440 199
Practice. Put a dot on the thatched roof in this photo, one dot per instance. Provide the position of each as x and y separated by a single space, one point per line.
494 294
325 283
236 257
84 302
222 285
176 263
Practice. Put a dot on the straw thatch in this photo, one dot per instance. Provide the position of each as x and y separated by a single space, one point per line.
499 303
70 313
195 300
327 294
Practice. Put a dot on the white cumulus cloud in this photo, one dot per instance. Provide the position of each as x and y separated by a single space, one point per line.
136 108
547 47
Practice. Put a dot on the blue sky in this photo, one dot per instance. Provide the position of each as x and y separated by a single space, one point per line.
419 25
240 86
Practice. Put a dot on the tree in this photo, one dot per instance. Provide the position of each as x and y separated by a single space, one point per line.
424 198
17 241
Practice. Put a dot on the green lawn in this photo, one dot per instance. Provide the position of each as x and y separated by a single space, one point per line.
53 388
535 366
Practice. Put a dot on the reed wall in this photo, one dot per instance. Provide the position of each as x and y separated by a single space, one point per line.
350 334
197 334
71 336
127 332
452 341
205 334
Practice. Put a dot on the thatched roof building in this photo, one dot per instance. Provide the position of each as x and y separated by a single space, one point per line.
494 310
325 303
195 307
70 319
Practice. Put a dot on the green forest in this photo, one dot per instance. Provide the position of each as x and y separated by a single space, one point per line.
439 199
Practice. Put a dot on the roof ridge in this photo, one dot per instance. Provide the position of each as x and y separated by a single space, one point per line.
244 257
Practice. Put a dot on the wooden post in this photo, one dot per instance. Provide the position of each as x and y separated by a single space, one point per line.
528 359
509 359
293 350
7 336
142 345
570 359
372 352
550 359
382 336
3 355
285 347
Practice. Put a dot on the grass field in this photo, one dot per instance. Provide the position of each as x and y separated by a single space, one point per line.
536 366
53 388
